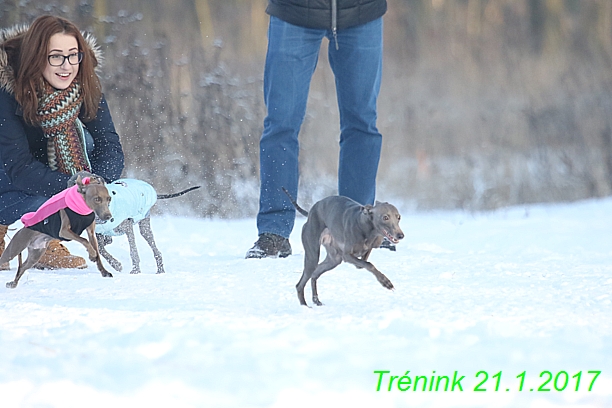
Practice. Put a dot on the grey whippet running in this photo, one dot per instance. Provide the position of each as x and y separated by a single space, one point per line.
64 224
348 231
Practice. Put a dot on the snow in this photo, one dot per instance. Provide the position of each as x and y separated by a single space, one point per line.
525 289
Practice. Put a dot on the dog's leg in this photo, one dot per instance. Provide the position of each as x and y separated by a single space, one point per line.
332 260
103 241
36 244
145 230
302 283
127 227
66 233
91 233
18 243
374 244
382 279
365 256
311 231
34 254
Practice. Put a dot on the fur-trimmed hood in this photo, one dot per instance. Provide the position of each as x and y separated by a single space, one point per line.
7 76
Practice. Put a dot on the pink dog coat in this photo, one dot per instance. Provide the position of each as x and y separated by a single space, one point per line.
69 198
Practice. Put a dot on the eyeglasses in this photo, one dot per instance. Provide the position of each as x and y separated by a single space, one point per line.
56 60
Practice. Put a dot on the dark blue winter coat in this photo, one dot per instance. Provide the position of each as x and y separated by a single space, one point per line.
23 150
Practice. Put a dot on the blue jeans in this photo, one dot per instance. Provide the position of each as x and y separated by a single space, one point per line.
290 63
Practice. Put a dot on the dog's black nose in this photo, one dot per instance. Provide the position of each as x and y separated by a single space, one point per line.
400 235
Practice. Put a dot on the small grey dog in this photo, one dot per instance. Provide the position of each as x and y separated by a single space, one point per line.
64 216
348 231
131 203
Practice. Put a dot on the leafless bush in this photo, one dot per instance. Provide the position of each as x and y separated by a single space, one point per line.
484 103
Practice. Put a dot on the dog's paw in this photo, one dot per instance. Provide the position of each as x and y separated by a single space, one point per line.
385 282
11 285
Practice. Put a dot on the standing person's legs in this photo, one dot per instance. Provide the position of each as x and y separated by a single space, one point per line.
291 59
357 66
290 63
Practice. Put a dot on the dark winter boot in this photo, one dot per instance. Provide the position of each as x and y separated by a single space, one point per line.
270 246
386 244
57 256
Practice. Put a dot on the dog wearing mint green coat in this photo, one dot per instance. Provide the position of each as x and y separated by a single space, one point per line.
131 202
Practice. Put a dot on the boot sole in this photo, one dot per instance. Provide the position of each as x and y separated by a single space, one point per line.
43 267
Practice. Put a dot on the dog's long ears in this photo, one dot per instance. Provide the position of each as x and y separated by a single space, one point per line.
79 182
93 179
83 174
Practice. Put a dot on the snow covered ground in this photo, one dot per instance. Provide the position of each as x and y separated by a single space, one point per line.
516 297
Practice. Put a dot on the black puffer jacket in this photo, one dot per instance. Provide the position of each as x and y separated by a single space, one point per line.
327 14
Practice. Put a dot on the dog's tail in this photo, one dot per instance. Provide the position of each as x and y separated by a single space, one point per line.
295 204
180 193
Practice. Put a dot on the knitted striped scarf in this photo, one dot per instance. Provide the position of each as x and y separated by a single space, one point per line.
58 112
